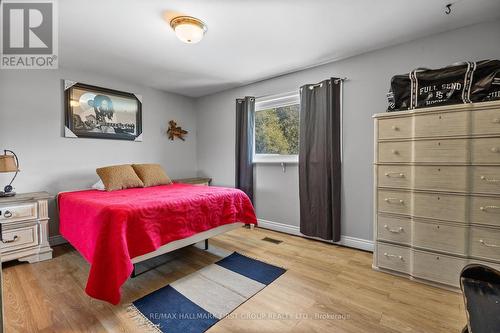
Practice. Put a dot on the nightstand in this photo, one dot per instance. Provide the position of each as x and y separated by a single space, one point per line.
194 181
24 227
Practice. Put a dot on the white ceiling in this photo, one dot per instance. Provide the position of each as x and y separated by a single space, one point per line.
246 41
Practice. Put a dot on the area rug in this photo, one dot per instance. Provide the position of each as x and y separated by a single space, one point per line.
198 301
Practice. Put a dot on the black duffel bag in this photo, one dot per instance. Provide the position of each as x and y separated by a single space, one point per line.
486 81
460 83
445 86
399 96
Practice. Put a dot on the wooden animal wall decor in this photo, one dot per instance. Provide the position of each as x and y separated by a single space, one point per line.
175 131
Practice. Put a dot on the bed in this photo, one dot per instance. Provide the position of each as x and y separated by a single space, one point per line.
115 230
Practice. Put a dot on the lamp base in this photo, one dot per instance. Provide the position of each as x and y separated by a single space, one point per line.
7 194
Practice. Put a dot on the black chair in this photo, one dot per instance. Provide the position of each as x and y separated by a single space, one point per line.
481 289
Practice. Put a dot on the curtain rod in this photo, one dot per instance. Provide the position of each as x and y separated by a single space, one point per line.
341 79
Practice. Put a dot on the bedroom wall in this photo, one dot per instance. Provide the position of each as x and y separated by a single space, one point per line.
31 124
364 95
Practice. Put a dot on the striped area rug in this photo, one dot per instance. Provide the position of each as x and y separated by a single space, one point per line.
198 301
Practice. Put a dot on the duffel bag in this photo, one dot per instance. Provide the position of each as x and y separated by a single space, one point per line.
431 87
399 96
486 81
449 85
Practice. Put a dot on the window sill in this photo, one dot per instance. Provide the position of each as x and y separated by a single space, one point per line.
276 159
275 162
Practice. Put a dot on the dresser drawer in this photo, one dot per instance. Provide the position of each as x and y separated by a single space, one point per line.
440 237
394 202
19 212
485 243
440 206
441 151
486 179
486 122
485 210
19 238
396 128
393 257
394 229
436 267
394 176
486 151
442 124
441 178
394 152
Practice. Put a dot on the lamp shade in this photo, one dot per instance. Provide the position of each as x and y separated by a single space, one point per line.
8 163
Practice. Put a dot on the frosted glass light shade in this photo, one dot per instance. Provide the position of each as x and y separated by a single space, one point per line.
188 29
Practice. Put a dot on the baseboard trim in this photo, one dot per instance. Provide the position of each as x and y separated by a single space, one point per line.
57 240
357 243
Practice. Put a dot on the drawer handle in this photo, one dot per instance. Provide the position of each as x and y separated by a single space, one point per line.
394 127
10 240
485 208
396 231
7 214
395 151
394 200
494 149
490 180
393 256
395 174
496 121
488 245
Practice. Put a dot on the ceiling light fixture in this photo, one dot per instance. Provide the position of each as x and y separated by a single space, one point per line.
188 29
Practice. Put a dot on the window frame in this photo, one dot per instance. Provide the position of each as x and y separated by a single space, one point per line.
270 102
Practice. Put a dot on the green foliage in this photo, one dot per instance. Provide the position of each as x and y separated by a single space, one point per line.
277 131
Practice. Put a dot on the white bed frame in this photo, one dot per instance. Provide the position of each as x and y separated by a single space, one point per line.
196 238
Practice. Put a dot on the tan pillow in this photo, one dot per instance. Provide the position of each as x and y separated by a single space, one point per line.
119 177
151 174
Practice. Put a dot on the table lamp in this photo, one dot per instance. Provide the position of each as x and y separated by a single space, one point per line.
9 163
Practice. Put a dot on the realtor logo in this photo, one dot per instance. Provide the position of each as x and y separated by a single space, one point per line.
29 34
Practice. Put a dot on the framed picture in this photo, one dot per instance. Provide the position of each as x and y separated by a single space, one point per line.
95 112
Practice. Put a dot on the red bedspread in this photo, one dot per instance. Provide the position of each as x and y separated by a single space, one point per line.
111 228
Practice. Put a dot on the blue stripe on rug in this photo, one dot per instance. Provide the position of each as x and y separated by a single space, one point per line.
171 312
251 268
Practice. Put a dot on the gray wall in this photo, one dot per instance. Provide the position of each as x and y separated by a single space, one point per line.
31 123
364 95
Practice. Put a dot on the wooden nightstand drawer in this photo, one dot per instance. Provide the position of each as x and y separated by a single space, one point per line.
18 212
19 238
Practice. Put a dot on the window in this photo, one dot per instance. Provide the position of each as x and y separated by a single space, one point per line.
277 129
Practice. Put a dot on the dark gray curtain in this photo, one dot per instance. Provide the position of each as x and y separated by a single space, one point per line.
245 122
319 159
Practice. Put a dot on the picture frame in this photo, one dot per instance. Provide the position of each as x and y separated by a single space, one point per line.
101 113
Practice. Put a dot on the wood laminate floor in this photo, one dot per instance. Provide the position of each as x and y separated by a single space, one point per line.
327 288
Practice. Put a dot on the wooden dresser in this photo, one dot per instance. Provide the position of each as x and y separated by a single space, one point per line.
437 191
24 225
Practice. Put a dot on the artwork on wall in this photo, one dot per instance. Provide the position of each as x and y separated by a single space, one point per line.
95 112
175 131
